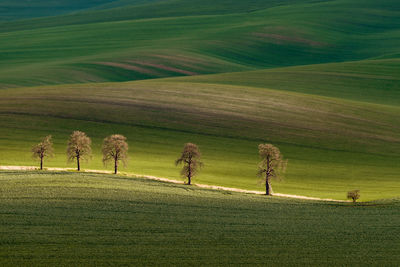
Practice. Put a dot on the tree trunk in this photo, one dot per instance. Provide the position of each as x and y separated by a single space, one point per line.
190 172
41 163
267 176
78 162
115 165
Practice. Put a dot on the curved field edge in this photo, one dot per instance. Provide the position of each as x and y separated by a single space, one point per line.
162 179
59 218
373 81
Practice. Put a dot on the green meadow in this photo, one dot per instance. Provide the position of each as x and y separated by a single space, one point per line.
62 218
25 9
320 79
333 142
180 38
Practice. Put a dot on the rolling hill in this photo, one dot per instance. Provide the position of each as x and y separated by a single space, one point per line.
24 9
333 142
180 38
320 79
28 9
372 81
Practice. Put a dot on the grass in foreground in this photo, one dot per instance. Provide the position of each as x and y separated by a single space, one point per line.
56 218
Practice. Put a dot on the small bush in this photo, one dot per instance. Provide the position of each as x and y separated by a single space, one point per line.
354 195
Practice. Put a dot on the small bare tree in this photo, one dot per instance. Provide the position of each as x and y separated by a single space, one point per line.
43 149
115 148
354 195
190 158
272 165
79 148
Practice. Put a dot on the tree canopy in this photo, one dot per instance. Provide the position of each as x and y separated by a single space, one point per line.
43 149
190 157
79 147
115 148
272 165
354 195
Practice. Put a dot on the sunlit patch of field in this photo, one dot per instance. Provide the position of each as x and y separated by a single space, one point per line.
334 144
336 122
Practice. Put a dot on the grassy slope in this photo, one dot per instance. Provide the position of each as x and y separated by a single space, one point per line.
81 219
372 81
19 12
333 144
23 9
141 9
39 52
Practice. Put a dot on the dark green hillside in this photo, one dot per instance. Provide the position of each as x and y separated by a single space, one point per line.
23 9
88 219
291 33
117 10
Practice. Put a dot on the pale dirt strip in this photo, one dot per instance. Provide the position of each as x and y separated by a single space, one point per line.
32 168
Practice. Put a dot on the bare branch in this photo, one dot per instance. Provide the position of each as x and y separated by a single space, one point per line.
272 164
190 157
43 149
79 147
354 195
115 148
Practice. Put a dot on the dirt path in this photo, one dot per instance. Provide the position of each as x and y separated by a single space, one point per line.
31 168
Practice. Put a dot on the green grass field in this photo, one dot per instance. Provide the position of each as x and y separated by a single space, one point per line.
24 9
333 142
337 122
320 79
61 218
180 38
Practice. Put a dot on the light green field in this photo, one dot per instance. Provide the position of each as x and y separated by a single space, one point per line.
50 218
333 144
319 79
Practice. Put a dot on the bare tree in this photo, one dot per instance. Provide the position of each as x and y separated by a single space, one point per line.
78 148
115 148
190 158
272 165
43 149
354 195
